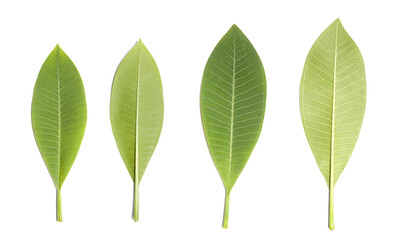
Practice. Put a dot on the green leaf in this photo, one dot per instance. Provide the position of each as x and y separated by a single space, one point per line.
233 98
136 111
58 116
332 102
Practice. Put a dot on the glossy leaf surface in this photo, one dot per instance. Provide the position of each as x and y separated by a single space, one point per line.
332 101
58 115
233 97
136 112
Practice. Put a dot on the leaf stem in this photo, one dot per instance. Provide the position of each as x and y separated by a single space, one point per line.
331 224
136 201
226 211
58 206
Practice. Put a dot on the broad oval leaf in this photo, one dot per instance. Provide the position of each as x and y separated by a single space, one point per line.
136 112
58 116
332 101
233 98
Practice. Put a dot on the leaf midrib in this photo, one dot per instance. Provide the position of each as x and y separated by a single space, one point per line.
59 115
331 163
232 109
136 176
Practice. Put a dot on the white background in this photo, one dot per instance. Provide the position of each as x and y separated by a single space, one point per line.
281 193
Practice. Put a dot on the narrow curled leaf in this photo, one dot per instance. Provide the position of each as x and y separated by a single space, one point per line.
332 101
58 115
233 98
136 111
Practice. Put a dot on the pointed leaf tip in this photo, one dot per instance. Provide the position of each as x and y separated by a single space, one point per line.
337 21
58 48
235 27
140 43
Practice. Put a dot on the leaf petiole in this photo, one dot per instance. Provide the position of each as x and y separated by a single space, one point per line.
331 223
59 206
226 210
136 202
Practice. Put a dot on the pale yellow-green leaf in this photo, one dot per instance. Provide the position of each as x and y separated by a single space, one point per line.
332 100
136 111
